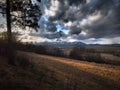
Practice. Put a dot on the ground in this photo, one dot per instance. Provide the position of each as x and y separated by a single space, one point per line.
54 73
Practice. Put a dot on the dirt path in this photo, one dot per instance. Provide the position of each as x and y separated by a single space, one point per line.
77 75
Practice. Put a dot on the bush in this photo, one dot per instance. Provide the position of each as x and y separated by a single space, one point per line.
40 50
85 54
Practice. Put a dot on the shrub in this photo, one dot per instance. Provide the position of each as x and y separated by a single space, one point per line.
85 54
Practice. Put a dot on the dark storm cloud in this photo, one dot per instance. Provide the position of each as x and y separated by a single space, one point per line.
76 11
76 2
52 35
51 27
108 25
55 35
75 30
96 5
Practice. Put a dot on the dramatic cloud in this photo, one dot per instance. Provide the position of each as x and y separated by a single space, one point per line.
89 21
81 19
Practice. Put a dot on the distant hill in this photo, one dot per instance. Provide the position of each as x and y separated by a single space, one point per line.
73 44
103 45
62 43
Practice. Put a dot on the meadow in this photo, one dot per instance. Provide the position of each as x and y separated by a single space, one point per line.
60 68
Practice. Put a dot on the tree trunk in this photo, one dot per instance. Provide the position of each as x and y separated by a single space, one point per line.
9 33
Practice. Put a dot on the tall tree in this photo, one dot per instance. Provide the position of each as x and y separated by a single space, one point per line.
22 13
28 13
10 45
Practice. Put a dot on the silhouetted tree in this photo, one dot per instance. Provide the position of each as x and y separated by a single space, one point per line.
8 18
21 13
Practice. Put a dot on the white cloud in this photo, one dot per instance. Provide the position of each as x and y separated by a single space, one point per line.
53 8
94 17
88 1
90 19
83 33
84 22
68 24
115 40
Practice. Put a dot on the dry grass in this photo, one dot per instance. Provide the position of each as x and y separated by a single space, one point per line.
42 72
77 75
111 59
18 78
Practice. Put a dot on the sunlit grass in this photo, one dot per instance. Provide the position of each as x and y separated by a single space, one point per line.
83 74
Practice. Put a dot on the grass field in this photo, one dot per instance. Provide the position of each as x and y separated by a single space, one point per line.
43 72
18 78
68 74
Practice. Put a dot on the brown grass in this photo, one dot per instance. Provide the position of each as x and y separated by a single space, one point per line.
18 78
76 75
111 59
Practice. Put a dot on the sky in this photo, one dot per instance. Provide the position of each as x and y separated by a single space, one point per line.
88 21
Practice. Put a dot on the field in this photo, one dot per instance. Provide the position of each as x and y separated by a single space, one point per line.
90 68
69 74
59 45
